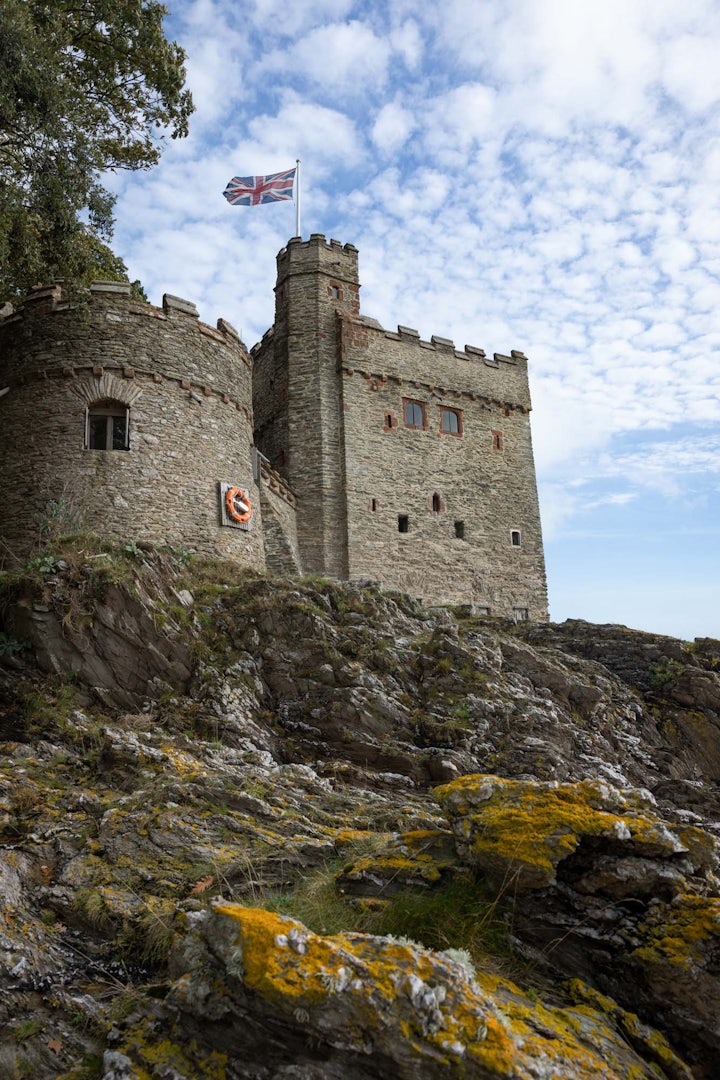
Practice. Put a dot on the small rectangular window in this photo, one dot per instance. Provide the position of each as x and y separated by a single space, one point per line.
450 421
459 530
515 537
497 440
520 614
403 523
373 505
414 413
107 427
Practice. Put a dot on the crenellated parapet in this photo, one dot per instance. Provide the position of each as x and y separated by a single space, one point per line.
109 305
404 358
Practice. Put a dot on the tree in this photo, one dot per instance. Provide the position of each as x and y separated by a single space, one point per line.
85 86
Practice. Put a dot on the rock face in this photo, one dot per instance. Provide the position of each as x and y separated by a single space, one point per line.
257 985
224 850
606 889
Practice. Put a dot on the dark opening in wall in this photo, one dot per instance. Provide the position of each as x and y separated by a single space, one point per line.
515 537
459 530
403 523
497 440
436 503
373 505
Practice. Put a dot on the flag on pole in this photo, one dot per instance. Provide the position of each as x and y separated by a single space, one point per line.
252 190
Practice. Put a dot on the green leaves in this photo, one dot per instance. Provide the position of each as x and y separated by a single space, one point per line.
85 86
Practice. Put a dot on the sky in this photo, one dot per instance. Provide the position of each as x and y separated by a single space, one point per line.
539 175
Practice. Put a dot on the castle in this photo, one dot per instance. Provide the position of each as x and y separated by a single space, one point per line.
334 447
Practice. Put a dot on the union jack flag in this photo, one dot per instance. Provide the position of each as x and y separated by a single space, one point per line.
251 190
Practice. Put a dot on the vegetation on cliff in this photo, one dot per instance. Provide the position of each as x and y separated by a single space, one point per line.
224 851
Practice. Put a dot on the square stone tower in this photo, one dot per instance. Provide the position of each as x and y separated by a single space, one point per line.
411 460
296 398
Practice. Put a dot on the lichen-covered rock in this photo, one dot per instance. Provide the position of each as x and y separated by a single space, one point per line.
519 832
264 741
252 985
412 860
603 888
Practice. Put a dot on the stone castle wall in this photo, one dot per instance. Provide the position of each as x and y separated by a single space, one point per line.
297 407
329 393
340 482
188 388
466 496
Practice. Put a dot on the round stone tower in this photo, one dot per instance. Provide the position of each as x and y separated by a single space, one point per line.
125 419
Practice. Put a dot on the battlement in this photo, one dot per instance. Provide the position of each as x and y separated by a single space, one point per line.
318 255
404 358
50 299
442 344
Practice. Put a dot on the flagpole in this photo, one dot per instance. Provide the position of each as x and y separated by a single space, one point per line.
297 198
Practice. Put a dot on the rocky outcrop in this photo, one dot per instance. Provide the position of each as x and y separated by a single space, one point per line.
255 986
111 627
211 768
600 886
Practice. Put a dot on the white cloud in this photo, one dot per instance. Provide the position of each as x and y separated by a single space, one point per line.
275 18
339 58
392 128
300 129
407 42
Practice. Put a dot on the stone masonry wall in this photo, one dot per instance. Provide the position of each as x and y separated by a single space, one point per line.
188 387
298 422
483 478
282 552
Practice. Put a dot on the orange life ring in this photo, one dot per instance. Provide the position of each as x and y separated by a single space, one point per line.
243 515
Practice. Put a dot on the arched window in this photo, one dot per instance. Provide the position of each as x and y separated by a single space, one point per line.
437 503
414 413
450 421
107 426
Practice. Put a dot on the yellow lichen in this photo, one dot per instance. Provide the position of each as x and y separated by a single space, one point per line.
539 825
488 1022
681 932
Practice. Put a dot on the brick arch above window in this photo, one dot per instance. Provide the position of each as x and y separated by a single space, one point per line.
106 387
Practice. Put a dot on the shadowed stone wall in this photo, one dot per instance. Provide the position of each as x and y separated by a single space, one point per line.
188 389
296 399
